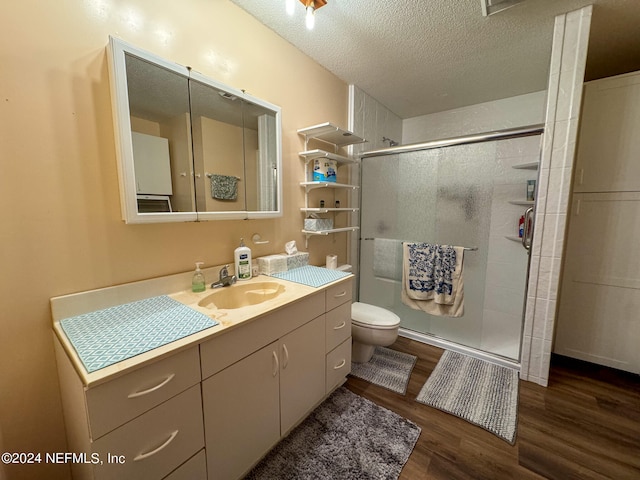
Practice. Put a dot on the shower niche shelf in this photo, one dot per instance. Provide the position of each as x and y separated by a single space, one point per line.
527 166
329 134
526 203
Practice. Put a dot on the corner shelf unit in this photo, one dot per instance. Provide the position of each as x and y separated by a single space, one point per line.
523 203
339 138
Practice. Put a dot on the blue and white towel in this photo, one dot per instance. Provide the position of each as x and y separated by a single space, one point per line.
432 278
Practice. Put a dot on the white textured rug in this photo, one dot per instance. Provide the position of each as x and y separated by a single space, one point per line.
387 368
477 391
348 438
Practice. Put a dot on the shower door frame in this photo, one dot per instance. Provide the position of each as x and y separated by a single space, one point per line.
511 133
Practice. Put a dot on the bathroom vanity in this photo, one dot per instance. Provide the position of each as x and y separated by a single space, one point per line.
212 404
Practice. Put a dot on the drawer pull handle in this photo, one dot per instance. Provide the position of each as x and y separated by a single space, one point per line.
286 356
337 295
142 456
152 389
276 364
340 365
338 327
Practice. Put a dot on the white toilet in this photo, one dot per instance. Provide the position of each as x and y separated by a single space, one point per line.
371 326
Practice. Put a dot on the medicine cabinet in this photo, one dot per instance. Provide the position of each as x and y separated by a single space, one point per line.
190 148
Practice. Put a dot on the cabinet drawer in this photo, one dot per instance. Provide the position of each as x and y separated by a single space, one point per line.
338 365
114 403
194 469
338 326
338 294
155 443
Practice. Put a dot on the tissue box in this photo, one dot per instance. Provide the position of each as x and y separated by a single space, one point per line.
300 259
316 224
271 264
324 170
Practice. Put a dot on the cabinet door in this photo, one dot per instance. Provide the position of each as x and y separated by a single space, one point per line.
302 371
609 146
151 164
598 316
241 413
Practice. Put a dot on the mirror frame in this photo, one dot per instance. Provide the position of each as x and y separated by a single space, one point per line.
116 54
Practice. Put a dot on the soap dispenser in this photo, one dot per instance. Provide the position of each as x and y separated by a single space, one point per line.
242 256
197 282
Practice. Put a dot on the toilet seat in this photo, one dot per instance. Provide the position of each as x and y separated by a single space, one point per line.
371 316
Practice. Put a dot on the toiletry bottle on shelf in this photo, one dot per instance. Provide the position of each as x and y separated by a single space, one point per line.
521 226
197 282
242 256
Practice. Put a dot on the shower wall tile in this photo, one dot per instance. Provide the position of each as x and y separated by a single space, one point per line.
558 190
371 120
511 112
524 361
518 149
556 169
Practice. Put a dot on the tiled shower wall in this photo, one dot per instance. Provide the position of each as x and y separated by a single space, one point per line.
371 120
566 77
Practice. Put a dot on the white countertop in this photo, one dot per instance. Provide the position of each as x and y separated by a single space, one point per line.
84 302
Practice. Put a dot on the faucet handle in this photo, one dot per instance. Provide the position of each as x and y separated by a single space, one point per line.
224 272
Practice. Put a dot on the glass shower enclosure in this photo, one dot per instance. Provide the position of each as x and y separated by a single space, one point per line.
470 195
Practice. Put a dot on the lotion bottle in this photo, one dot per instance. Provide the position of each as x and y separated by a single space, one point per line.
242 257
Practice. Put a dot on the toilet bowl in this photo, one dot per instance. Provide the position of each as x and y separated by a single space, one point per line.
371 327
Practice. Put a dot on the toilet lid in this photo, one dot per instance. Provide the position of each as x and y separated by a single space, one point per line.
372 316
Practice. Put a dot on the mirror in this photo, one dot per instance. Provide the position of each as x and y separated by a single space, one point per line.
191 148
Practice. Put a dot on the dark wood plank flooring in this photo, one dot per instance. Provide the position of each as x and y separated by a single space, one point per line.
584 425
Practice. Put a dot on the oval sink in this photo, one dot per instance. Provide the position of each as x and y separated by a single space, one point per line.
242 295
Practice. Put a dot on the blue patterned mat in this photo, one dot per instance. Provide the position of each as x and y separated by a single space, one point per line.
312 276
108 336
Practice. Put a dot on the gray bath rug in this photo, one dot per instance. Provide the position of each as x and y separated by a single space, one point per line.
387 368
346 437
474 390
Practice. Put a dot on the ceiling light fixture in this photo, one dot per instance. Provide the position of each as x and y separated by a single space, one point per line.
311 6
290 6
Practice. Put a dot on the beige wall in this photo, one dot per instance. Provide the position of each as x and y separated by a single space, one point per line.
61 226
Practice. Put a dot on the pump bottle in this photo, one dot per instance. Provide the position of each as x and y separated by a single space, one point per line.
197 282
242 256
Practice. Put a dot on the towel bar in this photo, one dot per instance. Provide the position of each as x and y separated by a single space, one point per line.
467 249
208 175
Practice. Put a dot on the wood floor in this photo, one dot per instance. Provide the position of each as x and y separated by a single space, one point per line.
584 425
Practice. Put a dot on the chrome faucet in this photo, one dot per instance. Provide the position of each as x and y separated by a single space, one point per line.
225 279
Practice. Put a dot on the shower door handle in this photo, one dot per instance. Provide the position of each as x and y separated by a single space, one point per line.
527 235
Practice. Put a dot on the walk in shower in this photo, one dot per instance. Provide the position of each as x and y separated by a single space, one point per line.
469 192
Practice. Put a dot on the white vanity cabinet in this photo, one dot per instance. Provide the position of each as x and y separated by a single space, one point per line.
251 403
255 397
214 408
141 425
338 334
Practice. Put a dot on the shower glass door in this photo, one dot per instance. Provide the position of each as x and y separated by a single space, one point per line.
464 195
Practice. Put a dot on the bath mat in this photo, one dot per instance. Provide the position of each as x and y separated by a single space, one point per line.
387 368
346 437
477 391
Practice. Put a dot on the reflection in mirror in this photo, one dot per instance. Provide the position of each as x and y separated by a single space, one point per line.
261 153
190 148
218 157
161 137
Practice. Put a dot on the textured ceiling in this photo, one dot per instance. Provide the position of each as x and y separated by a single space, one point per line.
419 57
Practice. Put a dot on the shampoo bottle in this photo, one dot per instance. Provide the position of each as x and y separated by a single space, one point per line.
242 256
197 282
